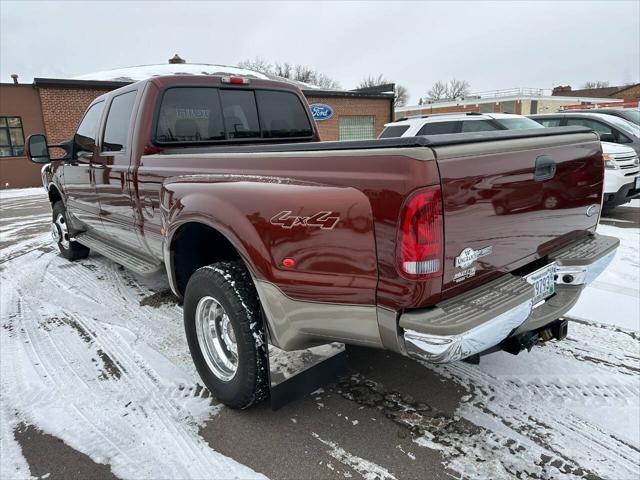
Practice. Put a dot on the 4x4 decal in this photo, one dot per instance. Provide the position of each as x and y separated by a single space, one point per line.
324 220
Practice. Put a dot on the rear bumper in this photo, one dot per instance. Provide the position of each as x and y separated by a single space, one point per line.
480 319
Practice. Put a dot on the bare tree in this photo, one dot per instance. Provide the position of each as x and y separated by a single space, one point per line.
448 90
458 88
596 84
401 94
258 64
438 91
300 73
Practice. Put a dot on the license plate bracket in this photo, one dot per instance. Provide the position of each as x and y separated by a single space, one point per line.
543 281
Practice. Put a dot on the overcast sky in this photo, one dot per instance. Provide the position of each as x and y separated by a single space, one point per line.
493 45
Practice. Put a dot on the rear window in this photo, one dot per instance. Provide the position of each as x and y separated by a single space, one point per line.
439 128
205 115
394 131
282 115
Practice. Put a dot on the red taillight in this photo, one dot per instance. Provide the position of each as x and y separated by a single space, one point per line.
235 80
420 235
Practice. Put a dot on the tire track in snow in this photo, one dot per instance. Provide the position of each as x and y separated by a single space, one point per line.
142 420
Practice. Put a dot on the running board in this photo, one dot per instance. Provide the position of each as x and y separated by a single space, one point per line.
138 264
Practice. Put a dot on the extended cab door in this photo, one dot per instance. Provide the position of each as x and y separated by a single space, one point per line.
82 201
110 167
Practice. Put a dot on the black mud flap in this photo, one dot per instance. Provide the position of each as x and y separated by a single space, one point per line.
292 375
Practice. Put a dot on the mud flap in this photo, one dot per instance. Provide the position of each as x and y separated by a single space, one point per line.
294 374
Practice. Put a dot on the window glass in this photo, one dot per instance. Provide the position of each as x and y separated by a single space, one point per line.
357 127
85 137
478 126
606 132
518 123
282 115
11 137
394 131
190 115
548 122
240 113
118 120
439 128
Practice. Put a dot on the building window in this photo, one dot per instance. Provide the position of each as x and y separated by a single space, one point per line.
358 127
11 137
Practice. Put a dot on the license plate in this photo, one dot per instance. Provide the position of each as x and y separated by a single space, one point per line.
637 182
544 282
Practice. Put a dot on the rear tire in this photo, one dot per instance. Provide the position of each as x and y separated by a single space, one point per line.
60 232
225 332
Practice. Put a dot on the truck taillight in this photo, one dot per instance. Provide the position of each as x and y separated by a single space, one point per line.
420 234
235 80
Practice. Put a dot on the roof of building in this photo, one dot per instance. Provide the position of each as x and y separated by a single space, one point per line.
123 76
475 99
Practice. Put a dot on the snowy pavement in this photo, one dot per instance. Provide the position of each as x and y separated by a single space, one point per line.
95 356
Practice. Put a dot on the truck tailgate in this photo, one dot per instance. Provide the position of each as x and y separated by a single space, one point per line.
509 202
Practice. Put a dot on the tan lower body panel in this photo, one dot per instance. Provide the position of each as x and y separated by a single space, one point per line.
295 324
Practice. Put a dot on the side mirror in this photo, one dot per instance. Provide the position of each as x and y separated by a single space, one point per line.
608 137
37 149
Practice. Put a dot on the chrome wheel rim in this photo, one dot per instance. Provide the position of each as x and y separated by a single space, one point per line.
216 338
59 231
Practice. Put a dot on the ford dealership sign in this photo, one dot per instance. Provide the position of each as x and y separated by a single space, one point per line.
321 111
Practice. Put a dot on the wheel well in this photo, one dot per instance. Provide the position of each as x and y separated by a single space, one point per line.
54 195
195 245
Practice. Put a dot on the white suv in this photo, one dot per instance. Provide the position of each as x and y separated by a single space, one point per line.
438 124
621 174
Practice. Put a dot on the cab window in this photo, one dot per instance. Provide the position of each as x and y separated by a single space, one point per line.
116 129
85 138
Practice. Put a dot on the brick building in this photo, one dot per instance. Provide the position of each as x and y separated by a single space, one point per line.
56 106
523 101
627 93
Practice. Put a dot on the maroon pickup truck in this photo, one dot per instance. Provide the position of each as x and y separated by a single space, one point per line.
271 237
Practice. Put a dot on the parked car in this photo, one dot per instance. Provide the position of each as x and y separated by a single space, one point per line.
610 128
270 237
621 175
622 172
458 122
629 114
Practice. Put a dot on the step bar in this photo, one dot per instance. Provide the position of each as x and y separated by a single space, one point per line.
137 263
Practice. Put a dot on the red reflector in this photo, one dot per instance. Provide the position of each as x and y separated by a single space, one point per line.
420 248
235 80
288 263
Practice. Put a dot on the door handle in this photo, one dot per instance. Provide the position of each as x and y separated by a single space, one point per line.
545 168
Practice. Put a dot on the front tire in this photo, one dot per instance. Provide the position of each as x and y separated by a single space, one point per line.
60 232
225 332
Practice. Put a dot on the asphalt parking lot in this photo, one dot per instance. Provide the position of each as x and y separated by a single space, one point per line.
97 382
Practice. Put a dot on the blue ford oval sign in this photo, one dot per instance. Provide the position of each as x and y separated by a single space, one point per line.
321 111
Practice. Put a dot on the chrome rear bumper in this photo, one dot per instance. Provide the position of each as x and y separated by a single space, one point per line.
480 319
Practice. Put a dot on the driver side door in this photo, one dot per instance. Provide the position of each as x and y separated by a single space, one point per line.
82 200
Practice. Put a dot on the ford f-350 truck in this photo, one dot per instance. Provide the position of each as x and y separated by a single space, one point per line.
270 236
